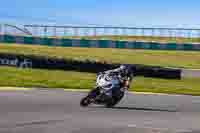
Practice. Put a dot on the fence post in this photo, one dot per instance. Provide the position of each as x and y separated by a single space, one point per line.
55 32
1 29
198 36
1 33
45 31
5 29
65 31
76 31
95 32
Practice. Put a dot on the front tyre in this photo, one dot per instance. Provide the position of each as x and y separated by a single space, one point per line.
85 102
89 98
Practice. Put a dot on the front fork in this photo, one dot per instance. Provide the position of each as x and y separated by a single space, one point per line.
97 97
94 93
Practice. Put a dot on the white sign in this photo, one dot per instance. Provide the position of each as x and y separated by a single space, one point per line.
15 62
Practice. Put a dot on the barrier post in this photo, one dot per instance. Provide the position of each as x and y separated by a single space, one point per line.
1 27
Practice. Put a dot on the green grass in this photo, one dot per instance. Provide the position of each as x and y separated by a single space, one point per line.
139 38
44 78
181 59
66 79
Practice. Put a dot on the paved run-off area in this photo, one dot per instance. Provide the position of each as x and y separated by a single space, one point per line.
58 111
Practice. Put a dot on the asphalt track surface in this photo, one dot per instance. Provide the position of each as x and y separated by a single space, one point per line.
38 111
190 73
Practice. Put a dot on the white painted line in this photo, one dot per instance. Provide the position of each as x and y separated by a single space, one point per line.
132 125
130 92
77 90
148 93
81 90
14 89
159 129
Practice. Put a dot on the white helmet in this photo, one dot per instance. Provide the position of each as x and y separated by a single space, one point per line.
122 67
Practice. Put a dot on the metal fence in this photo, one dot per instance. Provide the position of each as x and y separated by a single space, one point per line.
9 29
80 31
46 30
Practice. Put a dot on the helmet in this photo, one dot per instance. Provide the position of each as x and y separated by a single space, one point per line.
124 69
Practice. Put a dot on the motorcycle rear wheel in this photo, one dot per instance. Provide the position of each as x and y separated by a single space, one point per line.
114 101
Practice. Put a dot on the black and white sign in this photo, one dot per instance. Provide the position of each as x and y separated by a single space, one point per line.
25 63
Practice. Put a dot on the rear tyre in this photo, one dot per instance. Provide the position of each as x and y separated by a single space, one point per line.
114 101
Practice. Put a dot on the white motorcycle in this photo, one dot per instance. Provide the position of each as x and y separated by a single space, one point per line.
107 91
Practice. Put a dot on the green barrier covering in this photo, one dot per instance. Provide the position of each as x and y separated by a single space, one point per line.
66 42
9 39
19 39
97 43
1 38
155 46
130 45
38 41
47 41
146 46
171 46
139 45
84 43
103 44
120 44
196 47
93 43
187 47
28 40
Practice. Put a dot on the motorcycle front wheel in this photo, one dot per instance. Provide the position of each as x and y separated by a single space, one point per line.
85 101
89 98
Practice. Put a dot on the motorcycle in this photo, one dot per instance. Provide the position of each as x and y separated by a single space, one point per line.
108 91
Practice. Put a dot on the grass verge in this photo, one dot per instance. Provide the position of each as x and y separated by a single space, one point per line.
181 59
15 77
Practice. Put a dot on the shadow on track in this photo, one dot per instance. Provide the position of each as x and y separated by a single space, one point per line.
143 109
135 108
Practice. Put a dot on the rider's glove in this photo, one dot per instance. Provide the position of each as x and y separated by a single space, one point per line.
128 86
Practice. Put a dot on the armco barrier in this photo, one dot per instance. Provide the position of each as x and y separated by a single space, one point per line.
31 61
97 43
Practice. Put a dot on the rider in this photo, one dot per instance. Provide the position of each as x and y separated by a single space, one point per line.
125 74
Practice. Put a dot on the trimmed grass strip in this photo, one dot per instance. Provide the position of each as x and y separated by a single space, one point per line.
15 77
179 59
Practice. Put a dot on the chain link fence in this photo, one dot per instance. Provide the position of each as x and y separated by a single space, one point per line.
8 29
46 30
92 32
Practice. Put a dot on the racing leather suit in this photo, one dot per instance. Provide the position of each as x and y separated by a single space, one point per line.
124 76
